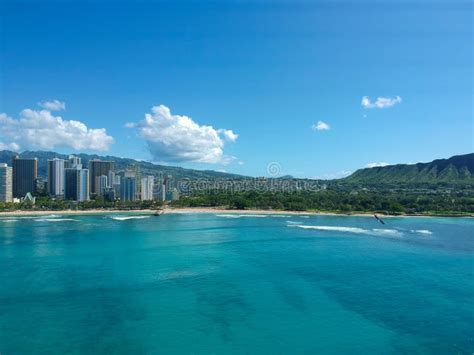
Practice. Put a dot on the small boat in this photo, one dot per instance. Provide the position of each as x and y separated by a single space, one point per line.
379 219
158 213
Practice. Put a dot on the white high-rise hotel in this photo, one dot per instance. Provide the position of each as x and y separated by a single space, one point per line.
6 189
147 188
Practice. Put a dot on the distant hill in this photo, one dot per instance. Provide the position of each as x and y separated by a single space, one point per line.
455 170
145 168
458 169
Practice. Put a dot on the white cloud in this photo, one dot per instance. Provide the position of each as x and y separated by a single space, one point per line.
381 102
54 105
10 146
375 165
228 134
321 126
175 138
42 130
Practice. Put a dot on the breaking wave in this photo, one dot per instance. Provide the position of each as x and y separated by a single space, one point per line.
422 231
353 230
242 215
8 220
125 218
53 219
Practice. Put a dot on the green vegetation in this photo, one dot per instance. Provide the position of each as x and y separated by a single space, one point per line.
444 187
342 201
457 170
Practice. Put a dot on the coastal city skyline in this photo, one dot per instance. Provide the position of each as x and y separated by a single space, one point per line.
69 180
314 99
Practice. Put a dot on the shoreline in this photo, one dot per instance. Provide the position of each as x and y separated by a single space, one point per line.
211 210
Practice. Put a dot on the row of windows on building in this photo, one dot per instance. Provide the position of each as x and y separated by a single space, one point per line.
69 180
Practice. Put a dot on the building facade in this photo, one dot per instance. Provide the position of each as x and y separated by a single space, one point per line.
147 184
96 169
102 184
25 173
128 187
76 186
73 161
55 185
6 183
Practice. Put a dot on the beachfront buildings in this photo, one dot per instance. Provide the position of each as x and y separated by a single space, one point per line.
68 179
6 188
76 184
55 185
25 173
128 186
98 168
76 181
102 184
147 184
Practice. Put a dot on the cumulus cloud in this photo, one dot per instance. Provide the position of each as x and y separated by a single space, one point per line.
375 165
42 130
10 146
228 134
175 138
54 105
380 102
321 126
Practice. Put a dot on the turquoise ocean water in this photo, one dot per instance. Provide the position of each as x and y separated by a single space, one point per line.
215 284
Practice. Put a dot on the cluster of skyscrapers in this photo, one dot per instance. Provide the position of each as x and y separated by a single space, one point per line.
68 179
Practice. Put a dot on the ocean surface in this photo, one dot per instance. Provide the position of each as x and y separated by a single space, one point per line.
231 284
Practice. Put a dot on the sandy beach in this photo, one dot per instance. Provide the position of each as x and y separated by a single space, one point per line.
171 210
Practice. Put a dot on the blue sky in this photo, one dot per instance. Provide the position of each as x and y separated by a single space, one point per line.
254 77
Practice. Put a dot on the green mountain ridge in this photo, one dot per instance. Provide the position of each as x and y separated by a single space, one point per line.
458 169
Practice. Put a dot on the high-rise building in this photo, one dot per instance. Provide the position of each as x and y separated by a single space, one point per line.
96 169
76 184
111 179
55 185
163 191
73 161
6 188
116 185
166 187
147 184
25 173
102 184
128 187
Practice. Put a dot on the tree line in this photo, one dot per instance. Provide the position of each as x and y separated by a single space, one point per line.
392 202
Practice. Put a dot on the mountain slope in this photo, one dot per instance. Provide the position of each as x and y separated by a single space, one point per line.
145 168
458 169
